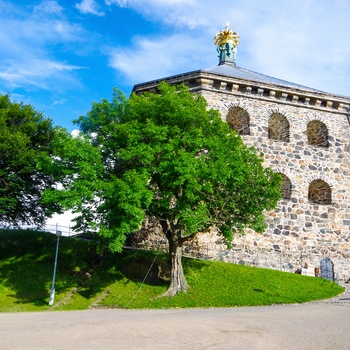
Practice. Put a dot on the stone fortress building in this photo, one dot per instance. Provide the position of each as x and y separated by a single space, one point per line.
304 135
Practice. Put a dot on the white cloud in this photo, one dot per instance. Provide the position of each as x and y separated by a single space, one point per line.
34 72
60 102
90 7
48 7
303 42
21 36
179 12
27 47
149 59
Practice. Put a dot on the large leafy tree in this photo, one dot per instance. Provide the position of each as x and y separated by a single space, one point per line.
167 156
26 137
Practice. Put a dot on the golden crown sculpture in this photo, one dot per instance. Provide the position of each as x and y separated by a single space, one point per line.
226 36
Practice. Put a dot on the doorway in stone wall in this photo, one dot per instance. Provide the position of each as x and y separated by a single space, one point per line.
327 269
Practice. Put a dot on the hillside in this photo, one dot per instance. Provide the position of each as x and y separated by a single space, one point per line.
89 276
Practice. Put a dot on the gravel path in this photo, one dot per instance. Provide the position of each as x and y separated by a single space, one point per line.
341 300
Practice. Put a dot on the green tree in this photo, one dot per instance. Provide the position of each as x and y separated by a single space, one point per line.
26 137
167 156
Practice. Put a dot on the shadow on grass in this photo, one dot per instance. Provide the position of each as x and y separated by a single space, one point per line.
83 268
148 267
27 280
27 263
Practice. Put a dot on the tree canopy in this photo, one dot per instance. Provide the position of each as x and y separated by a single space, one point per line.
26 137
169 157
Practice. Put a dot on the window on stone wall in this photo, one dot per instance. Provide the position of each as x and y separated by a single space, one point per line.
238 119
317 134
320 192
278 127
286 187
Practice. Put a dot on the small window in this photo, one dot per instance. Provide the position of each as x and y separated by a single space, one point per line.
320 192
317 134
238 119
286 187
217 84
278 127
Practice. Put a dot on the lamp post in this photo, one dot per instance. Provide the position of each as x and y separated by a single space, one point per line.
52 291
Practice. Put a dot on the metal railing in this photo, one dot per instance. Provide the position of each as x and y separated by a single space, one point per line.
67 231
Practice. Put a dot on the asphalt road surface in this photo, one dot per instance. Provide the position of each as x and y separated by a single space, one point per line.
306 326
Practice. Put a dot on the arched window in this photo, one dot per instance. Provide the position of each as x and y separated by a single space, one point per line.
317 134
320 192
286 187
238 119
278 127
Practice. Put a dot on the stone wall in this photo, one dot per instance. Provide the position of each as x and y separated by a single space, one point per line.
299 228
304 135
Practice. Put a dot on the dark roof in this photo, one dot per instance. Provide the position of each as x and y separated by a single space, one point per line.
234 71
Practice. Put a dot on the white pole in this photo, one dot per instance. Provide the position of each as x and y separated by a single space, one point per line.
52 291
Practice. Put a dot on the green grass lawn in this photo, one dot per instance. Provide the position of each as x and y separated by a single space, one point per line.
90 276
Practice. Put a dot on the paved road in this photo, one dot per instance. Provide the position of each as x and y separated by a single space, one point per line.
308 326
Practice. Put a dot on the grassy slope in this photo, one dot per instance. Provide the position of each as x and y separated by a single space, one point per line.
87 278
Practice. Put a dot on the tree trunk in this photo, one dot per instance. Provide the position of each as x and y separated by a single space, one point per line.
178 281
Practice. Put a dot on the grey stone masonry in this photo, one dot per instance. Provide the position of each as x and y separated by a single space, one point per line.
304 134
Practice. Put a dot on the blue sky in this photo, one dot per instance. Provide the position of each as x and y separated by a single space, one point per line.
61 55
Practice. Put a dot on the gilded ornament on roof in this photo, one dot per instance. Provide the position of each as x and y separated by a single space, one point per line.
226 36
